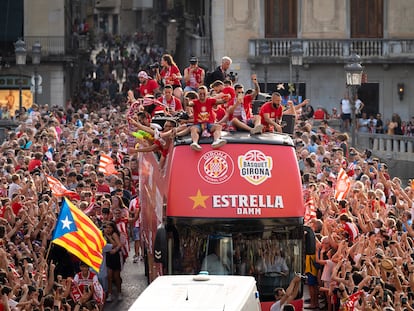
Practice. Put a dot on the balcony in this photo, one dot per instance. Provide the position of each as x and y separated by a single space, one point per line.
106 4
329 50
60 46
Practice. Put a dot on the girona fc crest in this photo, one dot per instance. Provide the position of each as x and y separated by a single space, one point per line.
255 167
215 167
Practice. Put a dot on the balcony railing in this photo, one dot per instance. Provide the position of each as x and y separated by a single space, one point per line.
323 50
59 45
395 147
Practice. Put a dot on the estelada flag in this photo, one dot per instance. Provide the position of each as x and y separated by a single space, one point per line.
59 190
343 184
106 165
77 233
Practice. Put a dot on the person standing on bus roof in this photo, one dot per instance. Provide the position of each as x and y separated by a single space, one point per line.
284 297
204 119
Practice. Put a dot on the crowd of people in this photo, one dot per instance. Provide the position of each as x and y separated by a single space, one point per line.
363 255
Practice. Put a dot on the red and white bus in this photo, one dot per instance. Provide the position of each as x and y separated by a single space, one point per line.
245 199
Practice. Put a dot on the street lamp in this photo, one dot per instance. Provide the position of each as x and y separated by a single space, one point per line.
21 53
296 60
353 71
36 54
266 52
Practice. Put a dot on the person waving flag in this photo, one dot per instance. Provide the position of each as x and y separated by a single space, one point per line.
77 233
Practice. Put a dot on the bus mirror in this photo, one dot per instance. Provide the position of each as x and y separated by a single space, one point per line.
310 240
160 245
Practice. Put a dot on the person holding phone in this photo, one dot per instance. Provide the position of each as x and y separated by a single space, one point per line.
240 110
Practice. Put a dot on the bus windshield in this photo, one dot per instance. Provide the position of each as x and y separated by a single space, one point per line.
269 252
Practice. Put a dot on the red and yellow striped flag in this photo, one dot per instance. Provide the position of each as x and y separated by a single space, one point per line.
79 235
59 190
106 165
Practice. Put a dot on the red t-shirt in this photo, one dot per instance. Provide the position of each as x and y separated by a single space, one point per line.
166 75
274 113
34 163
229 90
103 188
319 114
148 88
220 112
203 111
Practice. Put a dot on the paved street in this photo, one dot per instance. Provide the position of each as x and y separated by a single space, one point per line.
133 283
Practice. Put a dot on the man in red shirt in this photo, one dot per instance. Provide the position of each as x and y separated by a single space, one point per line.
204 119
147 85
271 113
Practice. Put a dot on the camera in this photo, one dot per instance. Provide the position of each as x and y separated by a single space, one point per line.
155 65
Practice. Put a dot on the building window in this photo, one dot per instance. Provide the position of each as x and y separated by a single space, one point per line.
281 18
367 18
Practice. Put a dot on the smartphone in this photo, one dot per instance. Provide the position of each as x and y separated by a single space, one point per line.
377 281
239 96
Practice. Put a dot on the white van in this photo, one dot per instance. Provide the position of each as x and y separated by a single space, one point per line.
199 292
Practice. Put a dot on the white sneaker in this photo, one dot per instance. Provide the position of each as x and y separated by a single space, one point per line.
135 259
109 298
257 129
195 147
218 143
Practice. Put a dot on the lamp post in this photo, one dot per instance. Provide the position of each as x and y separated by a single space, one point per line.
36 54
353 71
21 53
266 52
296 60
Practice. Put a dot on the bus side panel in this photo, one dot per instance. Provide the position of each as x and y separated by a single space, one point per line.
236 181
152 194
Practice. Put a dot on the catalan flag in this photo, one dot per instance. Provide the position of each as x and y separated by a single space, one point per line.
79 235
106 165
59 190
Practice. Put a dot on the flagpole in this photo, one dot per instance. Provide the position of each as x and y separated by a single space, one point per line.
48 250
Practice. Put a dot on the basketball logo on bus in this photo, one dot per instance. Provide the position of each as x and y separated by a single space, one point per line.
215 167
255 167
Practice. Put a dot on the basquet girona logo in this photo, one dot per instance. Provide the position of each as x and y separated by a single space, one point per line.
255 167
215 167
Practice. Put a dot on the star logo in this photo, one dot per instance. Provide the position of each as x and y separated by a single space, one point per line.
66 223
199 199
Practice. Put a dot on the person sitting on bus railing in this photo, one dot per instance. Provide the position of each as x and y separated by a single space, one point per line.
204 119
271 113
162 140
240 110
284 297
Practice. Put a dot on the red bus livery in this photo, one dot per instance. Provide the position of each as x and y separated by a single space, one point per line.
238 207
